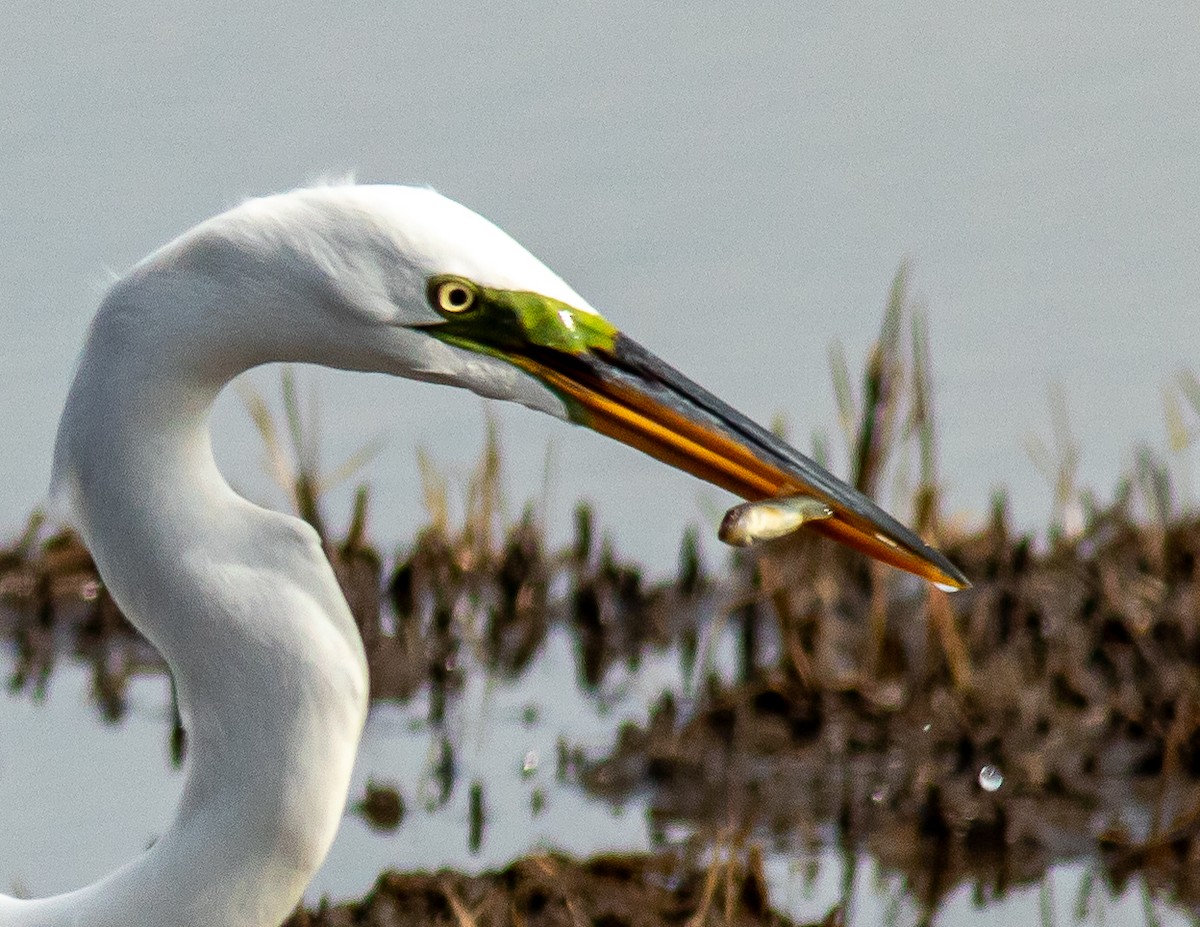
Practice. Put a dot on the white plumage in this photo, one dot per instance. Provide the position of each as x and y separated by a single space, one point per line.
240 601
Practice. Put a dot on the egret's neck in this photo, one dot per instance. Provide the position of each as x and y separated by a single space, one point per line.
244 607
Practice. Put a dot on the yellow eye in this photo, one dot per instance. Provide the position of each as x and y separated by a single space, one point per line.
454 296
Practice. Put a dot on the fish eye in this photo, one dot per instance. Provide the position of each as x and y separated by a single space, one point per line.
453 296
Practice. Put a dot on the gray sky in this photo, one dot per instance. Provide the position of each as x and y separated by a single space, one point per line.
734 185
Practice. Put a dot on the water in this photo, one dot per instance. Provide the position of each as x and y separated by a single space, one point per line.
66 822
990 778
131 788
735 189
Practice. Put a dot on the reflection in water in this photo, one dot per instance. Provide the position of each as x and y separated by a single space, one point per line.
1034 741
85 825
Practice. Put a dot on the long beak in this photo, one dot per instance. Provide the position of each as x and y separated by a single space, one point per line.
629 394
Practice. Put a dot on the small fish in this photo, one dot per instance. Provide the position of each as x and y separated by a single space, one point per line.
751 522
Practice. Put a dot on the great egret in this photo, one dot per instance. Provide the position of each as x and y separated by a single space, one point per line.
240 601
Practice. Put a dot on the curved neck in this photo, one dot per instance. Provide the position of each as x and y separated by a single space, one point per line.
245 609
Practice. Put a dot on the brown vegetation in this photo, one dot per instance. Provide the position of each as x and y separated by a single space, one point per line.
864 707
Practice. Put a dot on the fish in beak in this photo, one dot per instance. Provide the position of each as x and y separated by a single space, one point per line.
613 385
753 522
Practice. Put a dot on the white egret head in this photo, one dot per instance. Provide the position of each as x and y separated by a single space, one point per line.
404 281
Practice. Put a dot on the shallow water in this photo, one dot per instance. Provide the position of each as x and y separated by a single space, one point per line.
734 190
80 797
130 779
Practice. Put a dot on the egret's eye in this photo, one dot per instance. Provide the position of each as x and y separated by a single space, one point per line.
454 296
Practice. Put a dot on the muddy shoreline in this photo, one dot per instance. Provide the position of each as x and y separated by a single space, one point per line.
547 890
863 709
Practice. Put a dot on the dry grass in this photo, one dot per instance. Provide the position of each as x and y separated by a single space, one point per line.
1062 655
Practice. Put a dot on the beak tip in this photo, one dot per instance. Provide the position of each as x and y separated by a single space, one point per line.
952 579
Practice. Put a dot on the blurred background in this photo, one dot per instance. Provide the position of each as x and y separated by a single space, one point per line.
734 185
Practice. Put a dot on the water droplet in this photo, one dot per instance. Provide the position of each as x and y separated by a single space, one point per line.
529 767
878 796
927 728
990 778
